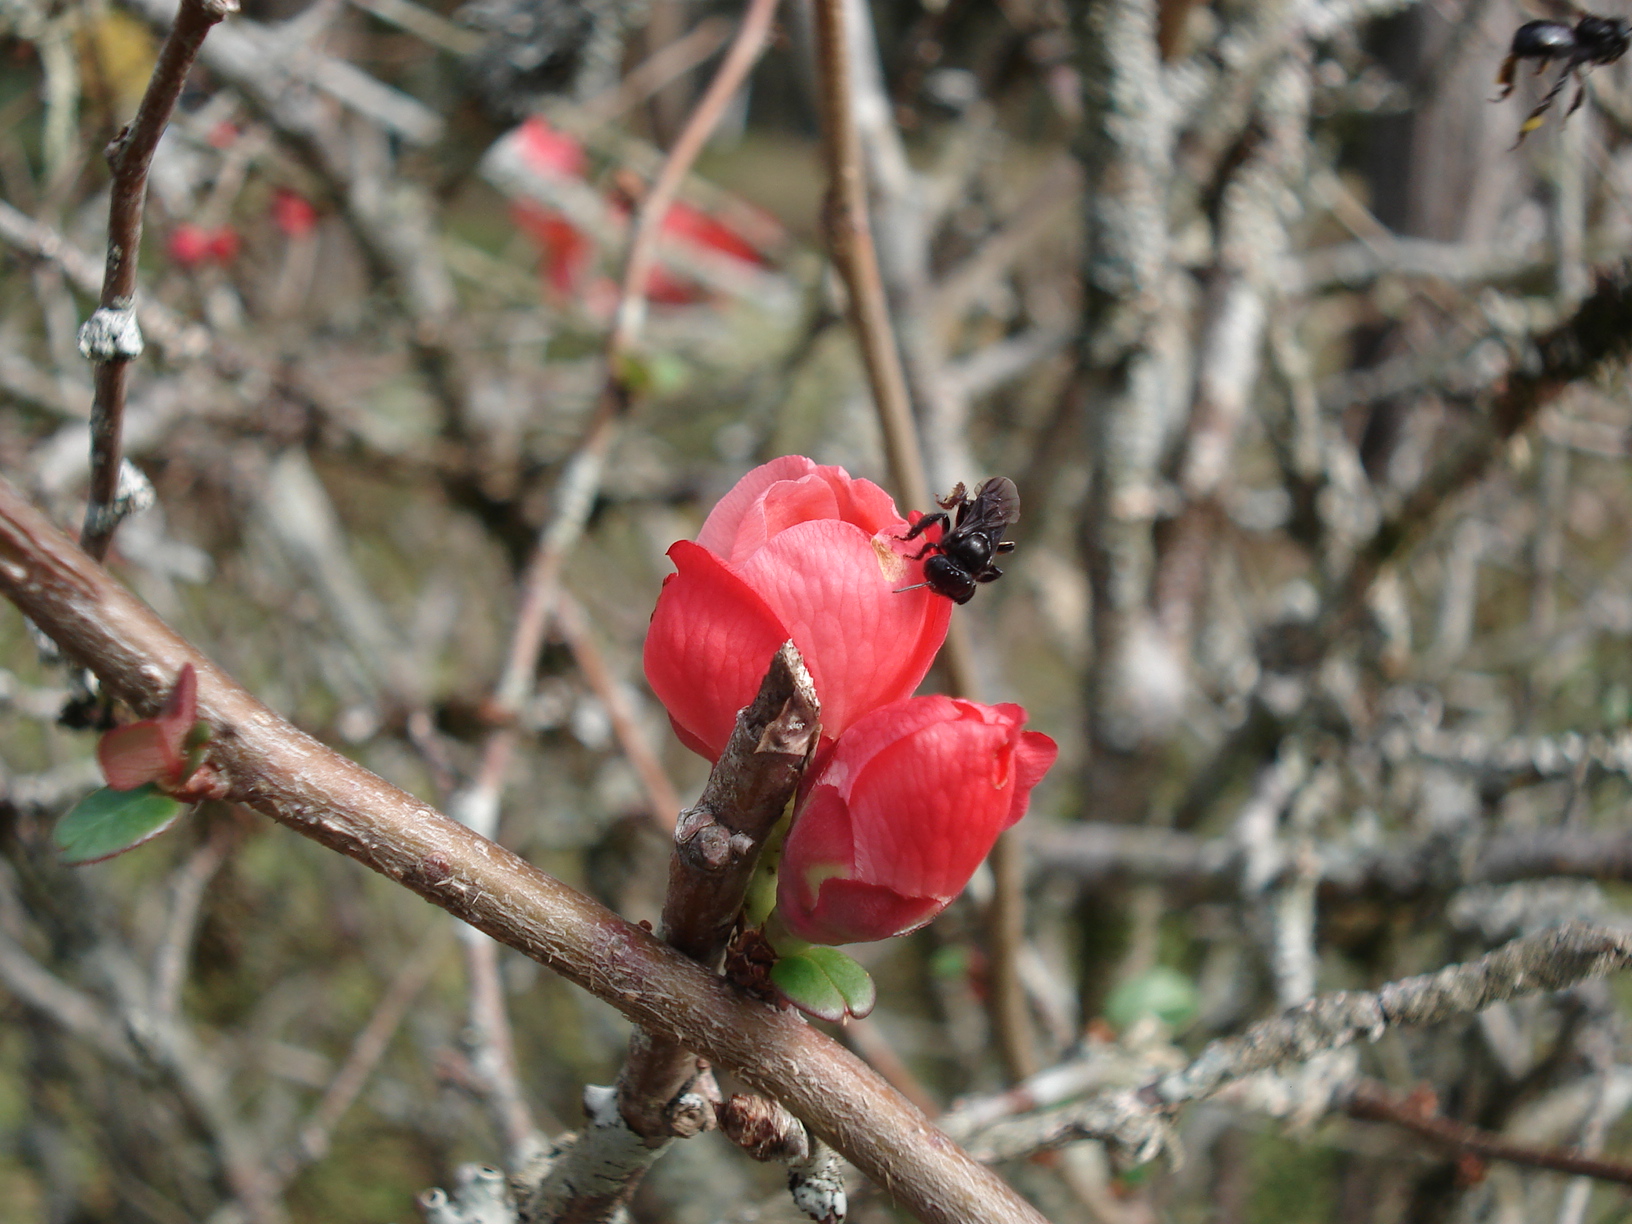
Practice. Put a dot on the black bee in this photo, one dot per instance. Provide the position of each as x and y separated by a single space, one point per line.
963 555
1589 42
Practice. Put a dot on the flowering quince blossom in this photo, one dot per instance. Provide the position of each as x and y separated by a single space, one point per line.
796 550
895 817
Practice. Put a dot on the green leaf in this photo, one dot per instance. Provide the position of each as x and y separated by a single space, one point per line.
851 980
1161 992
825 983
108 822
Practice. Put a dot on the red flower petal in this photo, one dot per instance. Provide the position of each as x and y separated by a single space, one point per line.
720 529
293 214
899 813
851 911
711 639
867 643
693 225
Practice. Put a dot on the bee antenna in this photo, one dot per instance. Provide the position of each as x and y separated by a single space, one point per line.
914 587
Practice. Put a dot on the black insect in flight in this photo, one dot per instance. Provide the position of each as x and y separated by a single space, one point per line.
1589 42
963 555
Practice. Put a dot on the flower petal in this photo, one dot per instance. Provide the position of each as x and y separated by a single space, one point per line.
927 807
710 641
852 911
867 642
720 528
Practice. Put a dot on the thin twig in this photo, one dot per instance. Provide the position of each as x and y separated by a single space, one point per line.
1139 1120
369 1046
170 962
478 804
662 800
850 239
111 337
1373 1102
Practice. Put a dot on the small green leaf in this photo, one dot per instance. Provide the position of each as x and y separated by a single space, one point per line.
850 979
824 983
1161 992
108 822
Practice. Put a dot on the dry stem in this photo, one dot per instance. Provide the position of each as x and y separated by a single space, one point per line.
129 155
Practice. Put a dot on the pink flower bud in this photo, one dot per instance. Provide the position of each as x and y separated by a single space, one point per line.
795 550
897 815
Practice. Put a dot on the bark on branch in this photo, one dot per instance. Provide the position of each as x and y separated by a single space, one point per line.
1136 1121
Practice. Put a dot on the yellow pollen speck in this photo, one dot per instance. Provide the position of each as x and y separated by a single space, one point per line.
890 562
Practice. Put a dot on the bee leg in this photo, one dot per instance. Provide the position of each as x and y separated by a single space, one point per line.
1580 97
1504 78
1533 120
990 574
925 523
1007 546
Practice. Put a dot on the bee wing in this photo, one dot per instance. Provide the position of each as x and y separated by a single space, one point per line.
997 504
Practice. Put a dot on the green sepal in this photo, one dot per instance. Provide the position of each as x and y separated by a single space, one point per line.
761 898
825 983
108 822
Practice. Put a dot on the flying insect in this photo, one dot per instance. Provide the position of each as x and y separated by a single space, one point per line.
971 535
1590 42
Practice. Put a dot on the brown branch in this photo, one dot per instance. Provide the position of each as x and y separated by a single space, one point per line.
716 848
287 775
111 338
637 269
1373 1102
849 232
849 235
664 1091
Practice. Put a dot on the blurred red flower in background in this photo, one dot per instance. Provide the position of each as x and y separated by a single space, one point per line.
796 550
192 246
896 816
293 214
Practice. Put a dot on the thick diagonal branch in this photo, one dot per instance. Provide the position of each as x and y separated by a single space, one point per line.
284 773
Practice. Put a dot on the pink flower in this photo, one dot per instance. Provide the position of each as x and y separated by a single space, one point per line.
795 550
897 816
